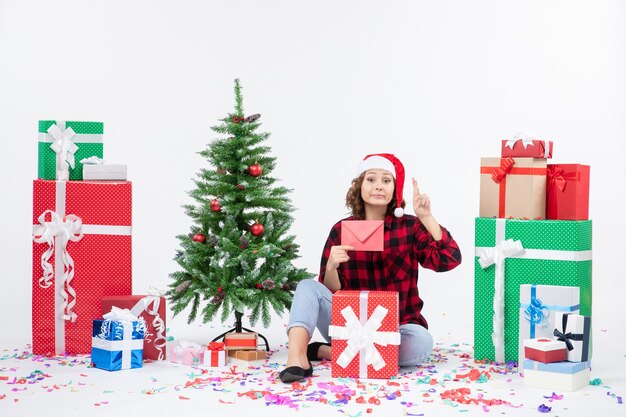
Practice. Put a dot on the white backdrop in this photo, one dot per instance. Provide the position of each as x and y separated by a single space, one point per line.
437 83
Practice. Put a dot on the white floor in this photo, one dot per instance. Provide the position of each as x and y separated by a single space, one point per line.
69 387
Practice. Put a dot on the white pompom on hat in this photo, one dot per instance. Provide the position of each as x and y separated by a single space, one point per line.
390 163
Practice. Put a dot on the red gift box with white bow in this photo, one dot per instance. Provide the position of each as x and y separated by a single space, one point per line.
365 333
81 253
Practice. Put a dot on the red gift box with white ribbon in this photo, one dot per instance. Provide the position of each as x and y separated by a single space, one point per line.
528 147
365 333
151 308
81 253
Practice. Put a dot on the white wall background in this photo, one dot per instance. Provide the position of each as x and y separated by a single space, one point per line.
437 83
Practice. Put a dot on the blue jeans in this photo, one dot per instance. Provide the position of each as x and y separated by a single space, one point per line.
311 308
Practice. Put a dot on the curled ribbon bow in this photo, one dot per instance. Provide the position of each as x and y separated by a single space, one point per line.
150 304
534 313
64 230
505 167
496 256
65 148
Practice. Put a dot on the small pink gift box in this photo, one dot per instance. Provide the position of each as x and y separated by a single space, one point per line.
187 353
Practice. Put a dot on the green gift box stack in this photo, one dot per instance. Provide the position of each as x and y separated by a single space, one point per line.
554 252
87 139
511 252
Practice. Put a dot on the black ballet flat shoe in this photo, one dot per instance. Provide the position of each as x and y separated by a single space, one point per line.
295 373
313 349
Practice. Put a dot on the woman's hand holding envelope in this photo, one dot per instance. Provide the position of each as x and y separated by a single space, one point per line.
338 254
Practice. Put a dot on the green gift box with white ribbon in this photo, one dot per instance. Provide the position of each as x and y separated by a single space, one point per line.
511 252
63 144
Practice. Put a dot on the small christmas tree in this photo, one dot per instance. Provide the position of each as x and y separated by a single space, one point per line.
238 254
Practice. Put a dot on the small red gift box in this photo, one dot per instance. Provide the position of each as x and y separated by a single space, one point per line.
215 354
545 350
152 310
365 334
81 253
530 148
567 195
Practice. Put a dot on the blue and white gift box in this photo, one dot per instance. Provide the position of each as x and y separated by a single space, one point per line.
539 305
117 341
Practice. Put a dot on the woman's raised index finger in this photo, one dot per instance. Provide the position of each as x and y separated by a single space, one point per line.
416 190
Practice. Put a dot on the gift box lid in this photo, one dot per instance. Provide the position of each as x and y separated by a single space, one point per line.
558 367
80 127
114 329
544 344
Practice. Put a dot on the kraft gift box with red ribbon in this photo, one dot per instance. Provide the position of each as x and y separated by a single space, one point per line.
365 333
81 253
241 341
513 188
575 331
187 353
151 309
215 354
247 355
526 147
567 192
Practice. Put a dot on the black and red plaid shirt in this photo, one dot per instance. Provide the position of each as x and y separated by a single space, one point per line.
407 244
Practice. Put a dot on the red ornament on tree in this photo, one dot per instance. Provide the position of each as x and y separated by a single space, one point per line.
215 205
241 187
199 237
238 119
259 286
255 169
257 229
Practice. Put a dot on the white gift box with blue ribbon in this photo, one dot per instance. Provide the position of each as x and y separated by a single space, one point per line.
538 307
117 341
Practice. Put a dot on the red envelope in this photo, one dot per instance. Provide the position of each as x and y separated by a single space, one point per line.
365 235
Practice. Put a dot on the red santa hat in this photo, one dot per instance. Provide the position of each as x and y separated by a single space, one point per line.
390 163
